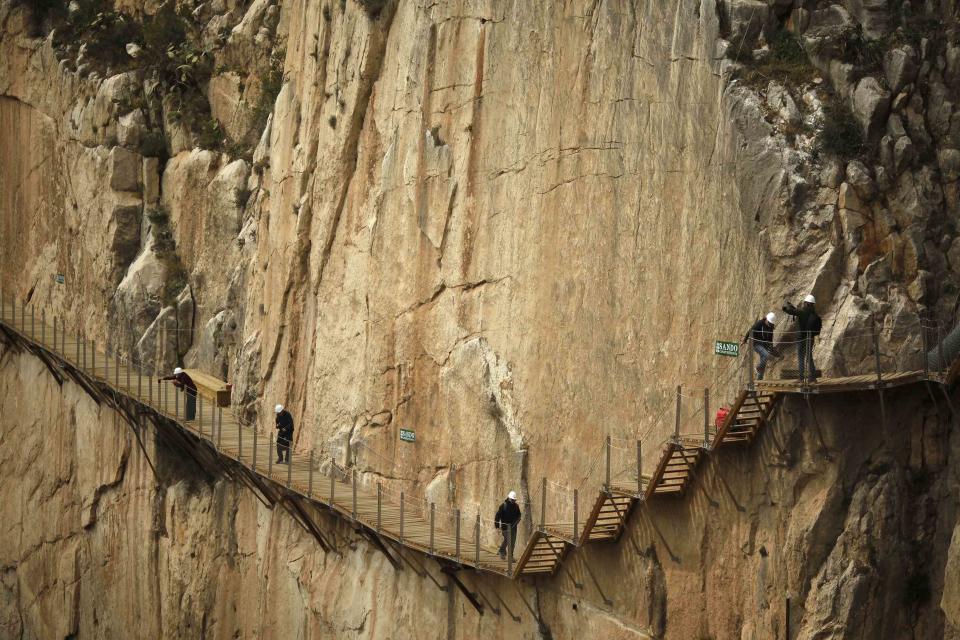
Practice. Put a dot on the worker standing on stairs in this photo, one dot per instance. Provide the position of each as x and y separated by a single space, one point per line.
506 520
762 334
184 382
284 433
809 324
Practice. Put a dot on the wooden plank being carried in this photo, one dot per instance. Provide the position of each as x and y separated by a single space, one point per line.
210 387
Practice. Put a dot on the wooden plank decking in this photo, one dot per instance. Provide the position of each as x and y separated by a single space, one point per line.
409 525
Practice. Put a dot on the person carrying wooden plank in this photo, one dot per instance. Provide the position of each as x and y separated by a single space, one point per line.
762 334
506 520
284 433
183 381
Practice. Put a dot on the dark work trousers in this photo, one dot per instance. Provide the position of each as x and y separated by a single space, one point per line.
805 357
283 447
189 404
509 535
764 352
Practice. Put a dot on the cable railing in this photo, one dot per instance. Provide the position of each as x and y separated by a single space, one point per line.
400 508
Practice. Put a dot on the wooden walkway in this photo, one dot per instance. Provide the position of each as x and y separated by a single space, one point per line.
382 515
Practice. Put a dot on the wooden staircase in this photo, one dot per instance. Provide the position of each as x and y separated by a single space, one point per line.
750 412
543 555
609 516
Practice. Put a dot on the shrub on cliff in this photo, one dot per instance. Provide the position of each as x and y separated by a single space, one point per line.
840 134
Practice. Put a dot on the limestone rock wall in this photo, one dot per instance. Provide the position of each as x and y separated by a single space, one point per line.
511 227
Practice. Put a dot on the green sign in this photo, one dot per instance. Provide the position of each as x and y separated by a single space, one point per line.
59 279
407 436
722 348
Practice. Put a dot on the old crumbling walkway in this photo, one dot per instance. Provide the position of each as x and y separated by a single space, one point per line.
392 521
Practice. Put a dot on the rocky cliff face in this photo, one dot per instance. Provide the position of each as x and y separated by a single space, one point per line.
514 228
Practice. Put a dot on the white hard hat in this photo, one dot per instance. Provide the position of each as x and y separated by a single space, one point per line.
278 408
512 495
810 299
772 318
177 371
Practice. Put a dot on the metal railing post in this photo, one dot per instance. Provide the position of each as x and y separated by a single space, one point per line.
543 502
639 470
63 338
706 417
139 383
176 403
254 461
476 542
93 357
240 444
876 351
751 371
606 485
129 388
943 360
353 485
509 551
23 317
270 457
309 473
200 414
54 330
379 506
116 367
458 536
219 428
676 426
43 327
333 479
926 351
33 322
401 517
81 363
433 519
575 515
150 385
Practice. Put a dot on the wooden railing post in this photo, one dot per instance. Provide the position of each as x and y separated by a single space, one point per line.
309 473
432 524
676 426
543 502
458 536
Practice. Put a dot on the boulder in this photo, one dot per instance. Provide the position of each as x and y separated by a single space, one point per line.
125 166
780 100
939 110
130 129
949 161
870 105
873 16
895 127
137 300
903 154
900 67
858 177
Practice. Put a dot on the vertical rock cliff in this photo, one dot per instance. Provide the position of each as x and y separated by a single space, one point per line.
513 227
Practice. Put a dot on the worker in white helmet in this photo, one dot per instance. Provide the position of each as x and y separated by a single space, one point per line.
183 382
506 521
762 334
808 328
284 433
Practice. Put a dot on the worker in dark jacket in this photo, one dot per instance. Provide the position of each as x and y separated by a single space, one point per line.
506 520
808 325
284 433
762 334
186 384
